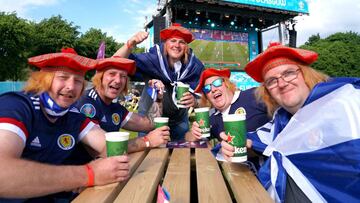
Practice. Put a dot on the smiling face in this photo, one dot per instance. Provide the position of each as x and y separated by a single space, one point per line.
220 97
175 49
66 88
113 83
290 95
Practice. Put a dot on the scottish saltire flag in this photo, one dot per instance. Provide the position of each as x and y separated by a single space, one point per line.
318 147
163 196
152 92
101 51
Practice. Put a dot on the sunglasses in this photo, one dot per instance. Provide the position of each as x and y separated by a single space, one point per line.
216 83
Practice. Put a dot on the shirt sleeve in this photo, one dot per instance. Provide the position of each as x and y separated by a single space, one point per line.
16 114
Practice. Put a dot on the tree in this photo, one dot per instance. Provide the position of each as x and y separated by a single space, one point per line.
88 44
15 46
339 54
53 34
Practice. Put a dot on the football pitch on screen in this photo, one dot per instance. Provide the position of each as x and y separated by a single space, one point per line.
221 52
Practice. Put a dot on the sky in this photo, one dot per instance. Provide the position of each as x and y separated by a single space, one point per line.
123 18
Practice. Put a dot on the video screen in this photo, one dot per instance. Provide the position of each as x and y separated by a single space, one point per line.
221 49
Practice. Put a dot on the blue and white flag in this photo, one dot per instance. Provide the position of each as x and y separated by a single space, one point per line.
318 147
152 92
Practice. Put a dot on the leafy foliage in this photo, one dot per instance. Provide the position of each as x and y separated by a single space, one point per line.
339 54
21 39
15 46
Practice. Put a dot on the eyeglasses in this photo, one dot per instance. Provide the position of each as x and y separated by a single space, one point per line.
287 76
216 83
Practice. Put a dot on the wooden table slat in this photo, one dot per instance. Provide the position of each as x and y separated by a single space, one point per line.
177 177
244 184
107 193
143 184
210 182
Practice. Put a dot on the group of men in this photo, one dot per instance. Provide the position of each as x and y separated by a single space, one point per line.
310 151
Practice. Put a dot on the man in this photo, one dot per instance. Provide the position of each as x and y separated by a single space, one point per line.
312 141
40 127
100 104
171 62
222 94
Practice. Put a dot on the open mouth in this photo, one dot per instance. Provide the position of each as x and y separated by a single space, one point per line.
67 96
217 95
116 88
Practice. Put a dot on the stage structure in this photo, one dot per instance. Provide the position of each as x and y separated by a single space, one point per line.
229 33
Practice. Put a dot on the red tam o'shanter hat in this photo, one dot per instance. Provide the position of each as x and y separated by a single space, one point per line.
277 55
225 73
177 31
118 63
68 60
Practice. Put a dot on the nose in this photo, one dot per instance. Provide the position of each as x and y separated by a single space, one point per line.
70 83
281 82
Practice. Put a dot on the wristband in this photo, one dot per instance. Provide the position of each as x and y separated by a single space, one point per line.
147 141
91 176
128 45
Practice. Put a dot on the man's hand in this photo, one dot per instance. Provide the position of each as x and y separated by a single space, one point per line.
110 170
137 38
228 150
159 136
159 85
196 131
188 100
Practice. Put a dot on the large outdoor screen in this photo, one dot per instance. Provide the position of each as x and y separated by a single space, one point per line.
218 48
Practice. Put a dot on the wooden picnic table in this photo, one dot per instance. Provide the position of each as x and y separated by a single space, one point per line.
189 175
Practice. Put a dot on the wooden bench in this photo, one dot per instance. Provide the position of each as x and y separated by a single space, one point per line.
189 175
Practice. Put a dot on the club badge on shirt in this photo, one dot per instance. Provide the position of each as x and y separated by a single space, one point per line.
115 118
240 110
88 110
66 141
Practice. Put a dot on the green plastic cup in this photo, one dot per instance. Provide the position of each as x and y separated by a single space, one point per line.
235 129
161 121
116 143
202 118
181 89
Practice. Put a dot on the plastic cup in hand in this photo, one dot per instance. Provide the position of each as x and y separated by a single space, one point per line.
181 89
235 129
202 118
161 121
116 143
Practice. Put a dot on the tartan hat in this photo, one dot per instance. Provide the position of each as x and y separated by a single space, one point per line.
176 31
225 73
118 63
277 55
67 60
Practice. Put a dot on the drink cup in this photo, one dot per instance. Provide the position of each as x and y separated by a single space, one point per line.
202 118
235 129
116 143
161 121
181 89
